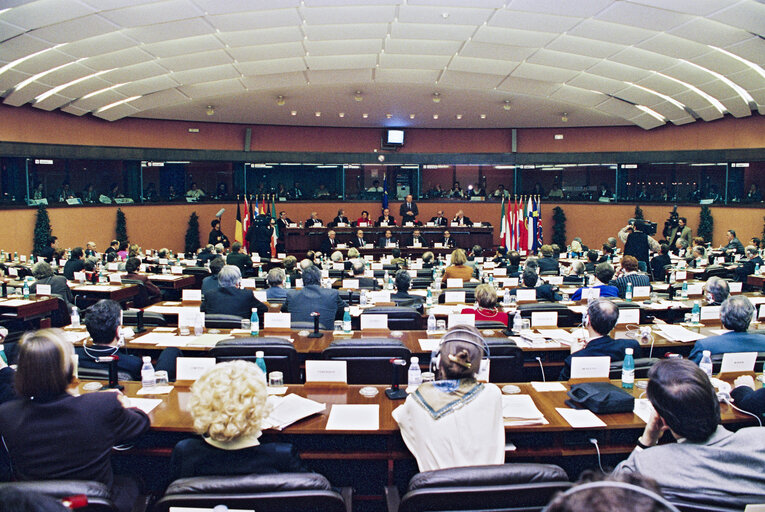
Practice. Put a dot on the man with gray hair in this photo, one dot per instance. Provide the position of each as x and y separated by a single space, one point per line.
275 280
44 274
748 266
229 299
716 290
368 283
735 314
312 298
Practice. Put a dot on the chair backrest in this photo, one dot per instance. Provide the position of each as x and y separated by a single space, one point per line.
469 294
421 283
142 299
399 317
566 317
716 271
642 365
100 372
506 360
489 324
717 361
507 487
61 316
549 272
699 501
368 358
279 354
98 493
130 317
221 321
283 492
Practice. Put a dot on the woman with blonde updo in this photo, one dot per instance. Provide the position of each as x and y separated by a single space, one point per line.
228 409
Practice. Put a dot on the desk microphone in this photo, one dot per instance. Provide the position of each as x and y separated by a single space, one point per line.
113 377
316 333
395 392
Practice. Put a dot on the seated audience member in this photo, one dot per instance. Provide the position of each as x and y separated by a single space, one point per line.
397 259
576 247
47 251
441 419
698 258
547 263
7 374
680 248
290 269
417 238
358 241
602 315
43 274
364 220
734 245
367 283
500 257
530 280
90 249
51 434
210 282
439 219
228 407
555 251
575 275
103 321
609 498
238 258
386 219
122 252
458 267
447 241
113 246
353 254
388 240
229 299
132 265
660 261
428 259
206 255
716 291
329 244
75 263
275 280
603 274
514 264
629 274
486 305
314 220
736 313
592 261
313 298
747 266
708 459
746 397
402 297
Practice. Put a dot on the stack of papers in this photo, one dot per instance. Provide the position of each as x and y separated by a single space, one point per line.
354 417
521 410
289 409
558 335
678 333
580 418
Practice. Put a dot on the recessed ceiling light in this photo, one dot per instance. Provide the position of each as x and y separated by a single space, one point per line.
436 97
365 116
435 116
507 105
294 113
483 116
358 96
564 117
280 100
318 114
341 114
388 116
411 116
210 110
459 116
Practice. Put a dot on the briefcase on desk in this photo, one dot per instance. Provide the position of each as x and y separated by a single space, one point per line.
600 398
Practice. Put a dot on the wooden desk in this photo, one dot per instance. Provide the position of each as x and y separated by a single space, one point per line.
95 292
171 281
756 280
36 308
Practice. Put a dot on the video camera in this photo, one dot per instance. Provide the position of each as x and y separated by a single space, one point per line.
671 223
646 226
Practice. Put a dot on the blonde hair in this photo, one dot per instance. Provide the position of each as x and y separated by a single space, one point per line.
353 253
458 257
229 401
486 296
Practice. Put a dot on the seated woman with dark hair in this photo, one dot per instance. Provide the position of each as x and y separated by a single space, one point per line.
455 421
52 435
44 274
228 410
486 305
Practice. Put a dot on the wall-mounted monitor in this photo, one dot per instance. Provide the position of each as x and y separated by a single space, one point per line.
392 138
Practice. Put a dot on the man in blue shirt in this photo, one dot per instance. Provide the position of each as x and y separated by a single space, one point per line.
603 274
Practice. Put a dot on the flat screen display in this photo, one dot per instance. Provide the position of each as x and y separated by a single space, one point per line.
394 137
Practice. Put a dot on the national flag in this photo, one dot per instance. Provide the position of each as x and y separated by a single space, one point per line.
246 223
530 230
540 238
263 205
238 226
523 231
268 211
275 232
385 191
504 231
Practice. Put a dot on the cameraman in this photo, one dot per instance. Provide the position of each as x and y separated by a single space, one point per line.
637 243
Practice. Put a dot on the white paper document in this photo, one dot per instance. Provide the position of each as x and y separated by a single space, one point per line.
354 417
580 418
208 340
428 344
543 387
155 390
643 409
163 339
289 409
678 333
558 335
145 404
596 367
521 410
191 368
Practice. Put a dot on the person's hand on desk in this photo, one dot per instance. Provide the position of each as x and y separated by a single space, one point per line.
744 380
654 429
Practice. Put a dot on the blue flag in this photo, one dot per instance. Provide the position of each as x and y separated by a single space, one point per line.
385 191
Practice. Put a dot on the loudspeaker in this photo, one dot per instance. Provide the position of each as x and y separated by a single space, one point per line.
247 138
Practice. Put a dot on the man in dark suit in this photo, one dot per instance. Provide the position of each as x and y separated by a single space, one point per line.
229 299
544 292
210 282
736 313
329 244
448 241
439 219
75 263
734 245
48 251
402 297
461 220
387 240
367 283
282 223
313 221
358 241
602 315
660 261
417 238
239 259
313 298
747 266
408 210
386 219
206 255
341 218
547 262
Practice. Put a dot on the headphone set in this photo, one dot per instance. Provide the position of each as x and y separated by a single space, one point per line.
435 356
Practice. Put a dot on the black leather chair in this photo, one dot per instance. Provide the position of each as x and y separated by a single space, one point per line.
99 499
61 316
100 373
400 318
716 271
368 358
141 300
283 492
506 360
566 317
489 324
221 321
516 487
549 272
279 354
421 283
130 317
642 365
469 294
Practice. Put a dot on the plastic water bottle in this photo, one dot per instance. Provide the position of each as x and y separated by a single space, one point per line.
757 268
628 369
491 280
148 380
415 374
75 318
288 282
260 361
26 290
429 298
386 277
696 312
363 298
506 298
347 320
390 283
684 291
628 292
254 322
706 363
431 322
517 322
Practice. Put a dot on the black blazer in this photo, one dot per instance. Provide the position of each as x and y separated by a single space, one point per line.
465 221
439 221
311 222
355 242
382 241
239 259
328 245
232 301
448 243
72 266
391 220
603 346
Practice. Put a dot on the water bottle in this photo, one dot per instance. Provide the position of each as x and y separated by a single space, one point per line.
517 322
706 363
491 280
347 320
684 291
288 282
628 292
363 298
757 268
386 278
431 322
254 322
260 361
390 283
429 298
26 290
199 325
696 312
148 380
75 318
506 298
415 374
628 369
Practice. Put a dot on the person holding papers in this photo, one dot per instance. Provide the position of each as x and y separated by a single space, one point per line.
455 421
603 274
735 314
458 267
228 411
51 434
708 463
103 321
601 318
486 305
229 299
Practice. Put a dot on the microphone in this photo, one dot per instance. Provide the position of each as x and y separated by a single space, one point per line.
395 392
220 213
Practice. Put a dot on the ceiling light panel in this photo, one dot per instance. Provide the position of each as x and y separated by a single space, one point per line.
736 106
565 60
43 62
350 15
98 45
267 51
673 46
412 76
45 12
202 75
173 30
186 45
643 16
486 66
335 32
643 59
140 71
514 37
11 78
22 46
25 95
496 51
71 109
469 80
99 100
596 83
341 62
753 50
274 81
431 62
148 86
528 87
196 60
261 36
618 108
164 98
711 32
117 112
720 63
646 121
435 14
422 47
267 67
584 46
618 71
348 47
121 58
75 30
748 79
256 20
578 96
153 13
433 32
709 113
611 32
213 88
533 21
544 73
583 8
